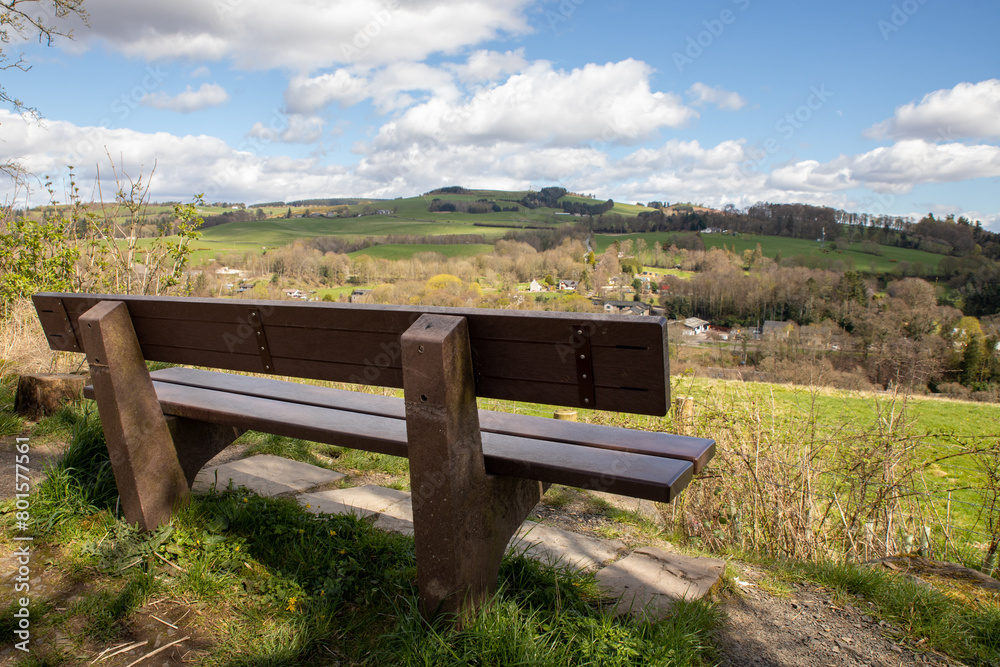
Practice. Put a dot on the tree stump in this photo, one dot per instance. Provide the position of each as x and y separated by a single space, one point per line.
41 394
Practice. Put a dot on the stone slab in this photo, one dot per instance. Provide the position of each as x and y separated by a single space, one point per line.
650 580
361 500
322 502
266 475
394 525
555 546
394 509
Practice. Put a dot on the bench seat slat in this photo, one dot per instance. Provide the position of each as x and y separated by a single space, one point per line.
695 450
642 476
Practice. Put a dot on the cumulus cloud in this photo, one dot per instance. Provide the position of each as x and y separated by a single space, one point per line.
610 103
208 95
672 170
701 94
184 165
969 110
389 88
301 35
306 94
895 168
483 65
294 129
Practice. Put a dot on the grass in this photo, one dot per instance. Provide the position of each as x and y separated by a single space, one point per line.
10 423
392 251
275 585
852 258
940 428
272 584
279 232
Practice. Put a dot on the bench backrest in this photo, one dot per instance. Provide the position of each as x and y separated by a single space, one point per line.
604 362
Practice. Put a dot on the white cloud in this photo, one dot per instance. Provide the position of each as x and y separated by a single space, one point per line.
184 165
896 168
610 103
484 66
208 95
701 94
294 129
388 87
200 72
301 35
307 94
966 111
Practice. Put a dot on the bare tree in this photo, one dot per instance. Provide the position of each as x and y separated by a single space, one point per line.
21 21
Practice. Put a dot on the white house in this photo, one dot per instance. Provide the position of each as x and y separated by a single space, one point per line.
534 286
695 325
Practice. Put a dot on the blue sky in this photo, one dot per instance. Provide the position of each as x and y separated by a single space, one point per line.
883 107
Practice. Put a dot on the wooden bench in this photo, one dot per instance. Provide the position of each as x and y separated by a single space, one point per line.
475 474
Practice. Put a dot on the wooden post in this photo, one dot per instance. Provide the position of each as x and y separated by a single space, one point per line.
684 414
150 478
565 415
462 517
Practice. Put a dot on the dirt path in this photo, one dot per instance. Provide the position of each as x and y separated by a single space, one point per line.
805 628
39 455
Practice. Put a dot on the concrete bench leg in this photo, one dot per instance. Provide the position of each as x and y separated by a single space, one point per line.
462 517
150 478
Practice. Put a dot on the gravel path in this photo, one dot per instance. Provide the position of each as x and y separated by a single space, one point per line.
807 629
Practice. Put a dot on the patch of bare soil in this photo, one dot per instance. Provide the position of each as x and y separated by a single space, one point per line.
807 628
40 454
169 632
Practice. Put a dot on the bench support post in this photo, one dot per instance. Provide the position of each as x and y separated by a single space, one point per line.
462 517
150 478
197 442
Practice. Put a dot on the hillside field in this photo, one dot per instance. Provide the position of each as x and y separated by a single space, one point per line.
770 245
393 251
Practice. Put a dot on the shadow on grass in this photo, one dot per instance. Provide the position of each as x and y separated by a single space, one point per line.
285 587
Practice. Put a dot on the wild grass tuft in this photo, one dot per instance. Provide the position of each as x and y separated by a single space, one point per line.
82 481
10 423
510 632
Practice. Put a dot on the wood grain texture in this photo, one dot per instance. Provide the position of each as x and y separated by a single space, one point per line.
698 451
517 355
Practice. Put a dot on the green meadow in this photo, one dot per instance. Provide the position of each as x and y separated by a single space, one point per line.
852 257
937 429
395 251
282 231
